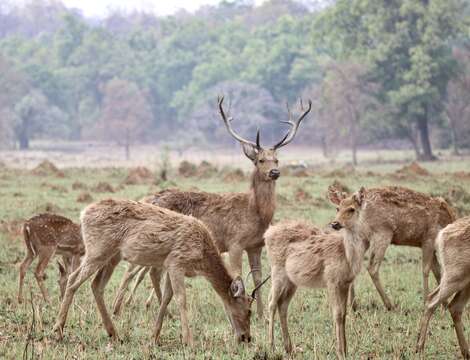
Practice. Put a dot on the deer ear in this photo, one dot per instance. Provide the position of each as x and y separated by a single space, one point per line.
250 151
237 288
359 196
335 195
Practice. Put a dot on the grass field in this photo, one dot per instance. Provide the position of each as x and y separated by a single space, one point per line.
372 332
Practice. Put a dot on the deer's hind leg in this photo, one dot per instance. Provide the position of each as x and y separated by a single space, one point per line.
23 269
456 308
166 298
98 284
254 258
131 271
44 256
140 277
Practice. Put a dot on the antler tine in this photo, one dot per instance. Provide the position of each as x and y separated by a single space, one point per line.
294 125
228 124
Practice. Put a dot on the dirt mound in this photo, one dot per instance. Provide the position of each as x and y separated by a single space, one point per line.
413 169
47 168
206 170
54 187
301 195
78 185
48 207
84 197
234 175
462 175
103 187
187 169
139 175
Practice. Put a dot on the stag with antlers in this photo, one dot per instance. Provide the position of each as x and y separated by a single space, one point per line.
236 220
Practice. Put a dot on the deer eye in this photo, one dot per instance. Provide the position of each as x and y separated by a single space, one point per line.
337 209
276 161
351 210
261 161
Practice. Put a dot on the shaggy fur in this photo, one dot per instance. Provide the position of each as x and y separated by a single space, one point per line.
394 215
453 249
46 235
148 235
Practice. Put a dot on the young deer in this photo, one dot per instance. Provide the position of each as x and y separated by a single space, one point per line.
301 255
398 216
147 235
453 250
236 220
46 235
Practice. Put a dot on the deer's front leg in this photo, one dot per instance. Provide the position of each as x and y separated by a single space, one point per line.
254 257
379 244
177 283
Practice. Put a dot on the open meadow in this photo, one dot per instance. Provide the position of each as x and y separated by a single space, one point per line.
372 332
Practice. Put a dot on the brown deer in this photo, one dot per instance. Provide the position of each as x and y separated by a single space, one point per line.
46 235
301 255
399 216
236 220
453 250
147 235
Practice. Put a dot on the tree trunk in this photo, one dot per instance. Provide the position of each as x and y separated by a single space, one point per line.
354 138
453 136
128 146
423 129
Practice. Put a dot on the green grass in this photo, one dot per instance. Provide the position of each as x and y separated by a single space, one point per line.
372 332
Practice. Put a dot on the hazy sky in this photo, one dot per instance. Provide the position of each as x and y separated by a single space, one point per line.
161 7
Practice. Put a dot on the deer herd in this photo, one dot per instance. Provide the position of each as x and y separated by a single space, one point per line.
182 234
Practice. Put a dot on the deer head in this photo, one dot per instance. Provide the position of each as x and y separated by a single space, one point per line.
239 308
265 159
348 208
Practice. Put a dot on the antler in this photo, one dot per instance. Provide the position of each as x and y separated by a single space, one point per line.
253 293
228 125
294 125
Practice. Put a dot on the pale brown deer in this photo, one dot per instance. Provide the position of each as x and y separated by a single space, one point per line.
147 235
236 220
399 216
46 235
301 255
453 250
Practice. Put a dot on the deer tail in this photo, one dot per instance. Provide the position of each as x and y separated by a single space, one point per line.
27 239
448 209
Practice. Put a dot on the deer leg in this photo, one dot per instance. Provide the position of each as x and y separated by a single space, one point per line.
235 255
436 270
377 253
137 282
98 284
338 298
456 308
283 306
428 259
131 271
44 256
278 279
77 278
352 297
254 258
445 290
177 283
155 276
23 268
166 298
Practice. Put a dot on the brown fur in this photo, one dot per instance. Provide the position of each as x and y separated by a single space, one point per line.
394 215
46 235
148 235
453 249
301 255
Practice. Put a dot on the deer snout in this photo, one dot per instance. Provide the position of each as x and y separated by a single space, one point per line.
336 225
244 338
274 174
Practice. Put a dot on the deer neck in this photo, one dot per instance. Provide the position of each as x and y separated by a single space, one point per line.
216 273
356 243
263 197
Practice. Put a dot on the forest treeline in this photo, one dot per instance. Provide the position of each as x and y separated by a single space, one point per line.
383 73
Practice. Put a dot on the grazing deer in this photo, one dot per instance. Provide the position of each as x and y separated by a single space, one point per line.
453 250
46 235
398 216
301 255
147 235
236 220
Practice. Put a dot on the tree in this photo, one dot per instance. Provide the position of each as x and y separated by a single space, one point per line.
125 114
407 43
